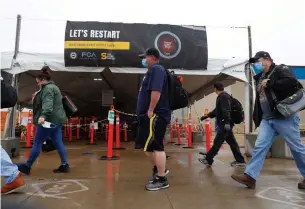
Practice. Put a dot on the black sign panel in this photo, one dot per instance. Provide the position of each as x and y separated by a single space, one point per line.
97 44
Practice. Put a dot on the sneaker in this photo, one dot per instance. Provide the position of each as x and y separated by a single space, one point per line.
62 169
157 184
238 164
24 168
204 161
14 186
155 172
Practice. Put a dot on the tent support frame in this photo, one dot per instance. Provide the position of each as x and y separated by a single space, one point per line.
10 123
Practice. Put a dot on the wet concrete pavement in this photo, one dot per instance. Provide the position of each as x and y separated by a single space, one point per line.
119 184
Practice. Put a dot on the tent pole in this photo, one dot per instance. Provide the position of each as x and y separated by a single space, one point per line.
248 96
249 75
11 116
247 89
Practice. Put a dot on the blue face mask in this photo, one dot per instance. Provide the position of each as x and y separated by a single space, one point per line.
144 63
258 67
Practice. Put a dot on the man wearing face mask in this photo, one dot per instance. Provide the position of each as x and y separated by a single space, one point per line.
281 80
154 114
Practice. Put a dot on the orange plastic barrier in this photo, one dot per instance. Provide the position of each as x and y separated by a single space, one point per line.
92 133
125 132
178 134
65 130
190 132
70 132
208 135
78 129
118 134
29 131
110 138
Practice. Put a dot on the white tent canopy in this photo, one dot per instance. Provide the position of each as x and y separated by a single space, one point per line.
35 61
124 81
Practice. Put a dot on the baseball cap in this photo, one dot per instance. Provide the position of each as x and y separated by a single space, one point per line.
151 52
258 55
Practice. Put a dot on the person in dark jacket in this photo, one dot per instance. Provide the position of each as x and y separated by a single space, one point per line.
225 123
271 123
48 117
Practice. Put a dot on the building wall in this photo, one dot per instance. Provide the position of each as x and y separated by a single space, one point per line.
238 91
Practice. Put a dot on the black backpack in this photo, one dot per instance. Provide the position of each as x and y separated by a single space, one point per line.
237 111
8 95
178 97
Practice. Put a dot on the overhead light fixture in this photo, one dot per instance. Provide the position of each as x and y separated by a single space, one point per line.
97 79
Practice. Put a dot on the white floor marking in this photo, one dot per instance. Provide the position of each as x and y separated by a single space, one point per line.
293 198
59 188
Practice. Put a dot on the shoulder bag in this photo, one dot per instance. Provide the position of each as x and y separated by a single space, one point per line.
292 104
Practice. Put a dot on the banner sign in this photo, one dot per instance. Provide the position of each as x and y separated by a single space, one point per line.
97 44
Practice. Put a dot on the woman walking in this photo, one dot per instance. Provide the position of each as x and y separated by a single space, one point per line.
47 109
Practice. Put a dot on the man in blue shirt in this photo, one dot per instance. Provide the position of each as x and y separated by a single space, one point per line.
154 115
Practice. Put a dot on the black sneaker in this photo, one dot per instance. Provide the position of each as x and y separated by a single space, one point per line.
24 168
157 184
155 172
62 169
204 161
238 164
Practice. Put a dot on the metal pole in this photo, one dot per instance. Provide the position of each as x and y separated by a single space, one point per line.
10 132
250 118
17 39
19 114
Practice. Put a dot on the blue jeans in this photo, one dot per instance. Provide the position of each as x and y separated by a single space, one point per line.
289 130
41 136
8 169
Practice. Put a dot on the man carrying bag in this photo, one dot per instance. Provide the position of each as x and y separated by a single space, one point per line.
274 84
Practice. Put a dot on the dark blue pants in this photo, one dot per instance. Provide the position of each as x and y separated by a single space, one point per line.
41 136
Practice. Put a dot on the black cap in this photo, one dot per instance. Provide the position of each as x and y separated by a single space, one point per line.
258 55
151 52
